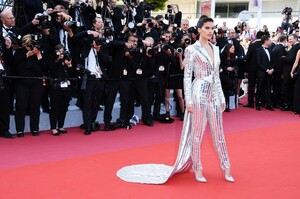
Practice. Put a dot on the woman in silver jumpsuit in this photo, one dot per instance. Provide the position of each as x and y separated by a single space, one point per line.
205 102
204 97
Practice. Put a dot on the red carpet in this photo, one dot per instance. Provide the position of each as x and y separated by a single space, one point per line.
263 148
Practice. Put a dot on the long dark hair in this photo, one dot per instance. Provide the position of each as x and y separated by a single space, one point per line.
202 20
229 56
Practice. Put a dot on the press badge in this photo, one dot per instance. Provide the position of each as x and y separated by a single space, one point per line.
161 68
139 71
124 72
64 84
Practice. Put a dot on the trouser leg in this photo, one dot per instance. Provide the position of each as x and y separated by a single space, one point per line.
199 121
216 127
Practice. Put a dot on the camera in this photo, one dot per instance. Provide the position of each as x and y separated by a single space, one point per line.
15 39
147 7
85 73
162 48
187 41
71 24
108 31
179 50
287 11
169 9
174 34
193 30
100 41
80 6
2 72
44 20
36 41
105 2
1 48
295 74
132 51
66 55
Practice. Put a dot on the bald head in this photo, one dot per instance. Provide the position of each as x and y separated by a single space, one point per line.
7 19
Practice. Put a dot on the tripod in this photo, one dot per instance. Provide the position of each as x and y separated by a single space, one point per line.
6 5
104 14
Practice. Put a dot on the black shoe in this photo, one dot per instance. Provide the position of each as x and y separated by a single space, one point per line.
61 130
129 126
20 134
276 106
82 126
258 108
107 127
12 112
227 110
248 105
148 123
55 132
295 112
87 131
156 117
270 108
181 116
285 108
7 134
95 126
35 133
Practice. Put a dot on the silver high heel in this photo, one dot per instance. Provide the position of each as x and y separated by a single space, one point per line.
200 179
229 177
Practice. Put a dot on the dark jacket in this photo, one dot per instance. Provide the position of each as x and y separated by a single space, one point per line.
263 62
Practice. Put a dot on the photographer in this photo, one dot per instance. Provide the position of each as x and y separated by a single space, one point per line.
64 27
134 12
60 90
112 14
175 77
164 60
93 72
29 63
147 29
12 35
82 13
142 62
287 17
118 74
4 100
173 15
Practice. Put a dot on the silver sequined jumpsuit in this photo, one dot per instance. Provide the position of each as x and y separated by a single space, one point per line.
205 95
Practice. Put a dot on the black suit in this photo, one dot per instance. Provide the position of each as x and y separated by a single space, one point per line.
116 71
240 53
226 77
139 86
288 82
84 14
277 52
264 80
28 91
95 88
116 16
251 68
4 106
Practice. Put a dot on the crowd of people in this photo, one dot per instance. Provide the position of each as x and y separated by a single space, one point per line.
92 52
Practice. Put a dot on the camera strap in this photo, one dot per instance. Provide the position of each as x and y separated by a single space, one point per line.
98 68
